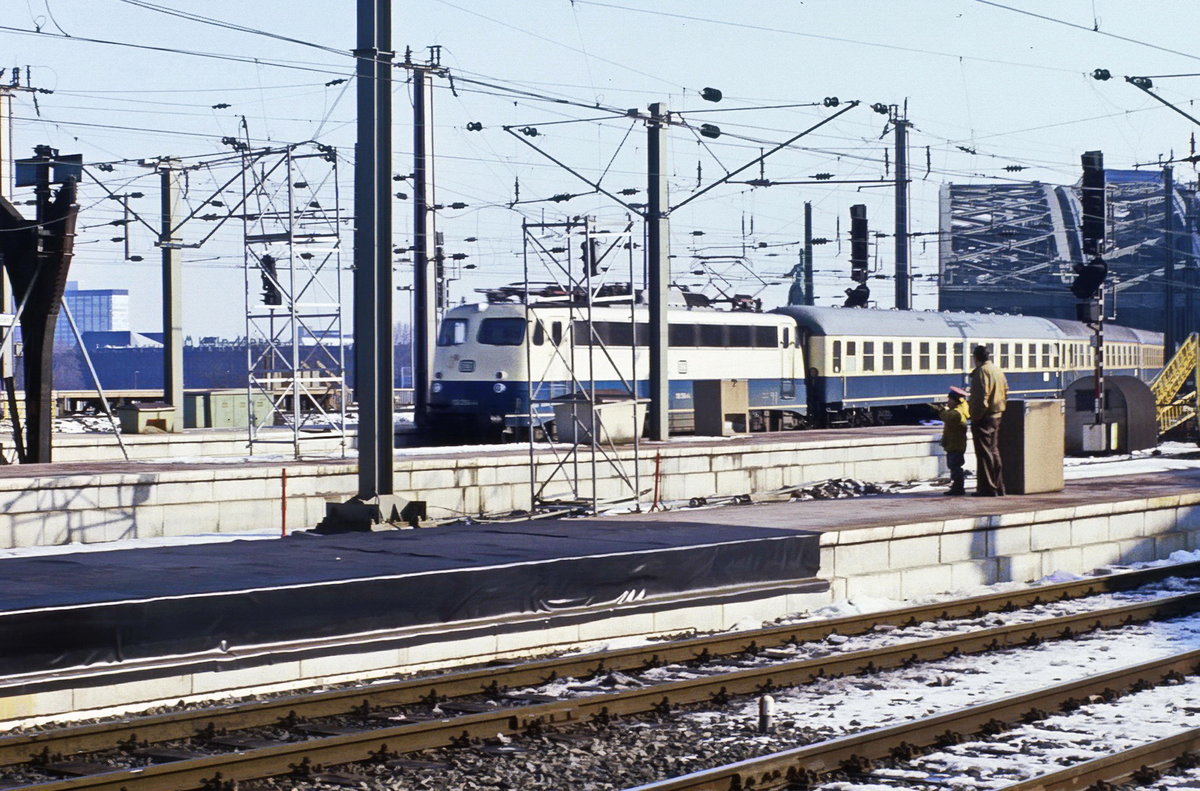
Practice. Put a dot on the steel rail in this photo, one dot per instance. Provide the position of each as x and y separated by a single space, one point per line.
17 749
1142 765
391 741
856 753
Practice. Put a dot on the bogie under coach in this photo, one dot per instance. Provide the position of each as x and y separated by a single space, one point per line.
805 366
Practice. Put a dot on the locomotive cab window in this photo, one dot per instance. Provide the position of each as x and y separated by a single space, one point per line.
766 337
539 333
712 335
453 332
739 336
501 332
683 334
556 332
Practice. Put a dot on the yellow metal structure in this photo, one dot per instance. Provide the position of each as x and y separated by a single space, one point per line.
1173 404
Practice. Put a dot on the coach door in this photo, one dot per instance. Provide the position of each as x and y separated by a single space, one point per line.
789 351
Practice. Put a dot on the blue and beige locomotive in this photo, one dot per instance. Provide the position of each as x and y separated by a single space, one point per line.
804 366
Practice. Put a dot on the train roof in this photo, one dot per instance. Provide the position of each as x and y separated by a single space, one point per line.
919 323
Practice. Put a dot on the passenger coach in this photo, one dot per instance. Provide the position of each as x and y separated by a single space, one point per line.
869 366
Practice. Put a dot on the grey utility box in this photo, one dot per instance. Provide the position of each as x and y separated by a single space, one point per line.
226 409
609 420
722 407
1031 446
147 419
1129 421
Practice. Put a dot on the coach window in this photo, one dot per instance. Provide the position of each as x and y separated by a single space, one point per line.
1046 359
889 360
837 357
924 357
502 332
453 332
1004 361
1018 355
868 355
906 357
851 357
942 359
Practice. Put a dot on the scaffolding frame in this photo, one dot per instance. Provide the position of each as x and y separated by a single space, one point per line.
295 346
582 282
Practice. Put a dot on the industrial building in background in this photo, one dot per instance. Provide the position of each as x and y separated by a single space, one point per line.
1015 248
95 310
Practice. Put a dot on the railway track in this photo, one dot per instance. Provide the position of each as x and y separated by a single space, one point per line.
387 721
856 754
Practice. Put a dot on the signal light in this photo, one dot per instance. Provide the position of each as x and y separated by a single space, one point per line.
710 131
711 95
270 293
831 101
474 126
857 297
858 243
1092 201
1089 278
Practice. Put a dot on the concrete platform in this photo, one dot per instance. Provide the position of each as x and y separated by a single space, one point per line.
93 502
891 546
64 612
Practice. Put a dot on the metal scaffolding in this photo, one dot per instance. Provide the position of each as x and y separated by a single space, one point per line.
295 347
592 412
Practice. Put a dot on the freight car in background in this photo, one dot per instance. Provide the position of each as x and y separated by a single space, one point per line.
805 366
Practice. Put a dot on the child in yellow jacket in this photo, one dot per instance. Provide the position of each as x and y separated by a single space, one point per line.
954 419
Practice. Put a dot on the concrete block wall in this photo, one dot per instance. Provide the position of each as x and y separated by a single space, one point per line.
93 447
246 497
956 554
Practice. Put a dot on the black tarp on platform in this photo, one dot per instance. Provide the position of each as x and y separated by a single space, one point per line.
68 610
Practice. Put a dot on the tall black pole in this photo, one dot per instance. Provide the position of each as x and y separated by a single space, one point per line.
903 285
1170 334
808 255
658 275
425 297
373 250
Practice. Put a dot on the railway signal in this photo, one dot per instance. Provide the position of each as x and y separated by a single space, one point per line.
858 296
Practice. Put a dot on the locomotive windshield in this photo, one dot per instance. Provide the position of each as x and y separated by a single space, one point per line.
452 333
502 332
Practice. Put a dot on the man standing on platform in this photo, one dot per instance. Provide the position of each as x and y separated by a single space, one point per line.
989 392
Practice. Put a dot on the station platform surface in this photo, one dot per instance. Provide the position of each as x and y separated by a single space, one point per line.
62 611
72 610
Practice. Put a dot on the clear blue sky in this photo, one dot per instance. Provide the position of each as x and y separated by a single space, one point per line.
1009 87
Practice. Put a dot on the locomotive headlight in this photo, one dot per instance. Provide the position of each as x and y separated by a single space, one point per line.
499 387
436 387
